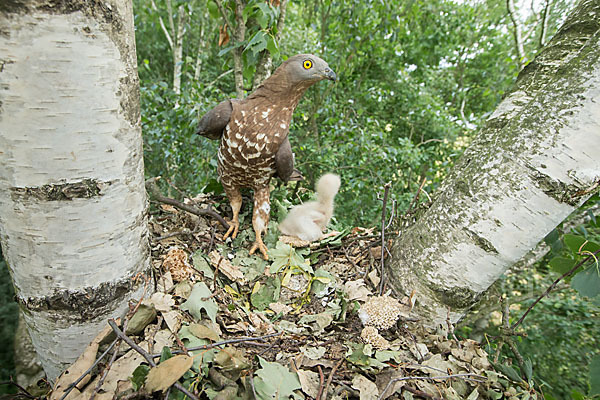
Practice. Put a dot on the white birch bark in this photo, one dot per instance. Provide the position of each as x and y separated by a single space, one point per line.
532 164
72 199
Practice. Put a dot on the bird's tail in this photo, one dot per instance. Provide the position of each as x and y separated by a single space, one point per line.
327 187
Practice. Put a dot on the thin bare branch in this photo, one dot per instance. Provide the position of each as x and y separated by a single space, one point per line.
162 25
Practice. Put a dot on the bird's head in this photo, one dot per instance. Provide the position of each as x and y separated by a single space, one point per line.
307 68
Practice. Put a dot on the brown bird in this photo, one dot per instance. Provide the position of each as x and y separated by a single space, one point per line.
254 137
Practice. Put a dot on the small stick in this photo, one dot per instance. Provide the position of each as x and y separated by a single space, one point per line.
321 382
151 187
224 342
147 356
74 384
21 388
421 393
330 378
570 272
385 198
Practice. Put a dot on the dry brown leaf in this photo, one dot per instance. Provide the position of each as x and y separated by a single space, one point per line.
77 369
202 331
173 320
162 301
167 373
368 390
223 36
357 290
224 265
309 381
293 241
169 208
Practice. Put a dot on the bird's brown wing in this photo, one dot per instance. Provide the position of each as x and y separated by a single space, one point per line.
284 163
214 122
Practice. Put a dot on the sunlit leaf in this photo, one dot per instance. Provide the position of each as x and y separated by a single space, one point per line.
274 381
587 282
200 299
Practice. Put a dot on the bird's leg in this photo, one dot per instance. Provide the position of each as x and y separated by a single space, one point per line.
260 219
235 200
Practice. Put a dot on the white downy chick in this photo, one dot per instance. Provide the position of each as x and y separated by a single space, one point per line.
307 221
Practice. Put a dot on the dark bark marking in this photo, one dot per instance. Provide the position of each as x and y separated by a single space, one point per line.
84 304
84 189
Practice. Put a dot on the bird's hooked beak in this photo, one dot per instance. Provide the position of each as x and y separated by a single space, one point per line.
329 74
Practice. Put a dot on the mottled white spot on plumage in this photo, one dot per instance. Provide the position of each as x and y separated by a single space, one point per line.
265 114
283 126
243 113
237 123
260 224
254 155
238 164
238 136
251 144
260 136
266 207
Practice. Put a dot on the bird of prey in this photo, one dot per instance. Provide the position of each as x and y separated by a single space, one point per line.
307 221
254 143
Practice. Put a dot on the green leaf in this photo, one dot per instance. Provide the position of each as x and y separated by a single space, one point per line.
165 354
595 376
264 16
587 282
274 381
561 265
258 42
509 371
575 395
573 242
202 265
265 293
528 370
199 299
273 48
138 378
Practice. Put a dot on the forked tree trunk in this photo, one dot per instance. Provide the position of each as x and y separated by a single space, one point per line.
72 200
533 163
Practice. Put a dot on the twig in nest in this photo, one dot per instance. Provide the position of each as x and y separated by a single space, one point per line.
385 198
421 393
153 190
330 378
321 382
76 382
24 391
222 343
147 356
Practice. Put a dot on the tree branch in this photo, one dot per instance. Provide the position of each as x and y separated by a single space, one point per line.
145 354
162 25
155 192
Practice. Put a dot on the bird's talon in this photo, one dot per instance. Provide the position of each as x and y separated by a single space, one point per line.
263 249
232 228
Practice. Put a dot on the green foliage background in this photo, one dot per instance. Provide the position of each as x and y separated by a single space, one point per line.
416 78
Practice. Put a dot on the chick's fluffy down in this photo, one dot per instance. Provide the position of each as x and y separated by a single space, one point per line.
307 221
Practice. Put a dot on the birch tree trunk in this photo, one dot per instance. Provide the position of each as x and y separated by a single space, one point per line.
533 163
72 199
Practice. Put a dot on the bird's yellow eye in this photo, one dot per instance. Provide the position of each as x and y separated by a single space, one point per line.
307 64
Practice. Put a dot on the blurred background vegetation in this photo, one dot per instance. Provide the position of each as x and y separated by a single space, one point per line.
416 80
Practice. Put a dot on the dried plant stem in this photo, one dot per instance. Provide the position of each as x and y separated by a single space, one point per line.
147 356
386 192
553 285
